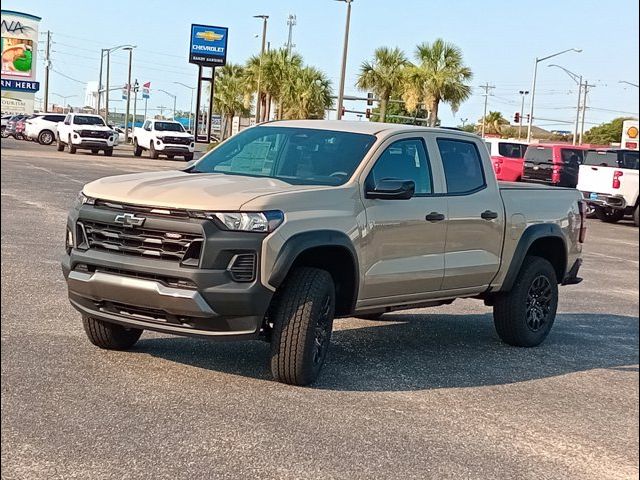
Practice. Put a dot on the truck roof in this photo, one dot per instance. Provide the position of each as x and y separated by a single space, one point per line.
370 128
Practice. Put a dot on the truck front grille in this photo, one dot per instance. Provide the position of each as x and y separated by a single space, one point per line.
176 246
95 134
177 140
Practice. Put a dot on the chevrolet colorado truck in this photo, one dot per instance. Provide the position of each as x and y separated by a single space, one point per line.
163 137
82 131
288 225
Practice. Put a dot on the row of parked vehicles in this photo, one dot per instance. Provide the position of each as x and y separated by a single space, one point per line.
81 131
608 178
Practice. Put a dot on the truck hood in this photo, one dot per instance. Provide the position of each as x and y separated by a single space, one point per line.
181 190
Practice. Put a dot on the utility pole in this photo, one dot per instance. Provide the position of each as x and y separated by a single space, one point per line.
136 86
126 115
47 66
523 93
343 70
486 87
291 22
264 18
162 109
586 86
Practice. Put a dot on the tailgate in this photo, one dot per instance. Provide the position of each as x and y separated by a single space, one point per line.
593 178
538 164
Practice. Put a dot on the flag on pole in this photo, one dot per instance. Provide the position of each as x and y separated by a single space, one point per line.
146 88
125 91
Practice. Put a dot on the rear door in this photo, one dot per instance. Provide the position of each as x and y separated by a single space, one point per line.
475 215
538 164
570 161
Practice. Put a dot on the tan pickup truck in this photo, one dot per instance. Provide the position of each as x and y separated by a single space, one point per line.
287 225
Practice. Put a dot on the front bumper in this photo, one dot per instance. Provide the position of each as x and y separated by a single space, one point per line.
616 202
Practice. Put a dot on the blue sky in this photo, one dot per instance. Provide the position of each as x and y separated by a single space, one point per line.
499 39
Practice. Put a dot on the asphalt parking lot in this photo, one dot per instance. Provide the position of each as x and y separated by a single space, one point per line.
424 394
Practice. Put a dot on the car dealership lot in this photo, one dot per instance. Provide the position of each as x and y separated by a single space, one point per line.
429 393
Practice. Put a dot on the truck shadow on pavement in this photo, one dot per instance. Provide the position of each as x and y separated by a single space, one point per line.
406 352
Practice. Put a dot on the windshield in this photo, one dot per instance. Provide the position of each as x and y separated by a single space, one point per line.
87 120
169 127
300 156
601 159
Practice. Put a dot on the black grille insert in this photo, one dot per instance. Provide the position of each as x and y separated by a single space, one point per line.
243 267
176 140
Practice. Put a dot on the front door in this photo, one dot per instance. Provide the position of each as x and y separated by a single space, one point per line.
404 250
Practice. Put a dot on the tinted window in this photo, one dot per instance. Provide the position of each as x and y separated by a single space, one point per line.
510 150
462 166
404 160
54 118
571 156
169 127
87 120
602 159
539 154
301 156
631 160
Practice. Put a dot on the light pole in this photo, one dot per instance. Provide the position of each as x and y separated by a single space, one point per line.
629 83
106 89
126 115
264 18
174 101
533 84
64 99
578 79
191 104
345 48
136 87
523 93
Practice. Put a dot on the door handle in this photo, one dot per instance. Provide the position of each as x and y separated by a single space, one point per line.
489 215
434 217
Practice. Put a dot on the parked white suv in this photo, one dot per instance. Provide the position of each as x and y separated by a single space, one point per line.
87 132
163 137
43 127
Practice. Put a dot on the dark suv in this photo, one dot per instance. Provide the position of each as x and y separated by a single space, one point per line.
553 164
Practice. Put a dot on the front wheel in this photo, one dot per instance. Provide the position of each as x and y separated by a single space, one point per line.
302 325
108 152
188 157
153 153
72 149
110 336
46 137
524 316
609 215
60 146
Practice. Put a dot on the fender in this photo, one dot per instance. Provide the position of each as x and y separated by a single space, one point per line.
529 236
300 242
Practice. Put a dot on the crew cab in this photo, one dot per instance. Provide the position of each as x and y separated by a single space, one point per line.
163 137
553 164
86 132
43 127
609 182
287 225
507 157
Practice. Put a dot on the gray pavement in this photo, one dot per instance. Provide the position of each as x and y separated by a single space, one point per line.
429 393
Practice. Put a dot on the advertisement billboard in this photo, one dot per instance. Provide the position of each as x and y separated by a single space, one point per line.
630 133
208 45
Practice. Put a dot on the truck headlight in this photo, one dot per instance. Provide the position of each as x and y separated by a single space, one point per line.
81 199
260 222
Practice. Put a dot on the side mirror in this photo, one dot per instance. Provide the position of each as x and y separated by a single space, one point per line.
392 190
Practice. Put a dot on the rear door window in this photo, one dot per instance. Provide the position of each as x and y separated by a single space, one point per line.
572 157
462 164
510 150
630 160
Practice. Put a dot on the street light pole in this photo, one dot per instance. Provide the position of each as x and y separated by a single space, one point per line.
126 115
191 104
262 48
343 70
106 93
174 101
533 84
100 81
629 83
578 79
523 93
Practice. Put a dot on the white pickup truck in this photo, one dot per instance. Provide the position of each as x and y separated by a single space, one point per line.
163 137
608 180
86 132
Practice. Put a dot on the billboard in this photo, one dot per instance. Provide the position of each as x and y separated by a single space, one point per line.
630 132
208 45
19 48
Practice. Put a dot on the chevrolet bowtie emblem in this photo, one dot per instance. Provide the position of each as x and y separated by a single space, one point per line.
129 220
209 36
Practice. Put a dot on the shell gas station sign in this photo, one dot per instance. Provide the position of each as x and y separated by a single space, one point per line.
630 132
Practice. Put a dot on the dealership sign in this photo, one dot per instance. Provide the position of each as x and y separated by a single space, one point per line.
208 45
20 85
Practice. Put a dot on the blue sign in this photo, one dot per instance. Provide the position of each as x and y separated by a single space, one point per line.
20 85
208 45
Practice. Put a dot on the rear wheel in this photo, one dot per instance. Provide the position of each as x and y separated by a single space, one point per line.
60 146
524 316
137 149
302 324
3 132
46 137
110 336
609 215
153 153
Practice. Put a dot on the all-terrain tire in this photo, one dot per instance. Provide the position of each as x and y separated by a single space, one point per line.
137 149
108 152
523 317
110 336
153 153
608 215
303 320
188 157
72 149
60 146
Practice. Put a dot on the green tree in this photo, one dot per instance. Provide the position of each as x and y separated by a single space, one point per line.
605 133
306 95
383 75
230 95
494 123
439 76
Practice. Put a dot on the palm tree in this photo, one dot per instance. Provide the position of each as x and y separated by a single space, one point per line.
383 75
494 123
439 76
230 94
306 95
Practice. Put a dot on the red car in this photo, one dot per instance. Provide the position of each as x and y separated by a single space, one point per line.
554 164
19 129
507 157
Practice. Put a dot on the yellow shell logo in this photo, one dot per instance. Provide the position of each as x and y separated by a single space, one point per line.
209 36
632 132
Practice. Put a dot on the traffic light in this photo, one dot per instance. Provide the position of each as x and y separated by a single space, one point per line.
367 113
369 99
516 117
